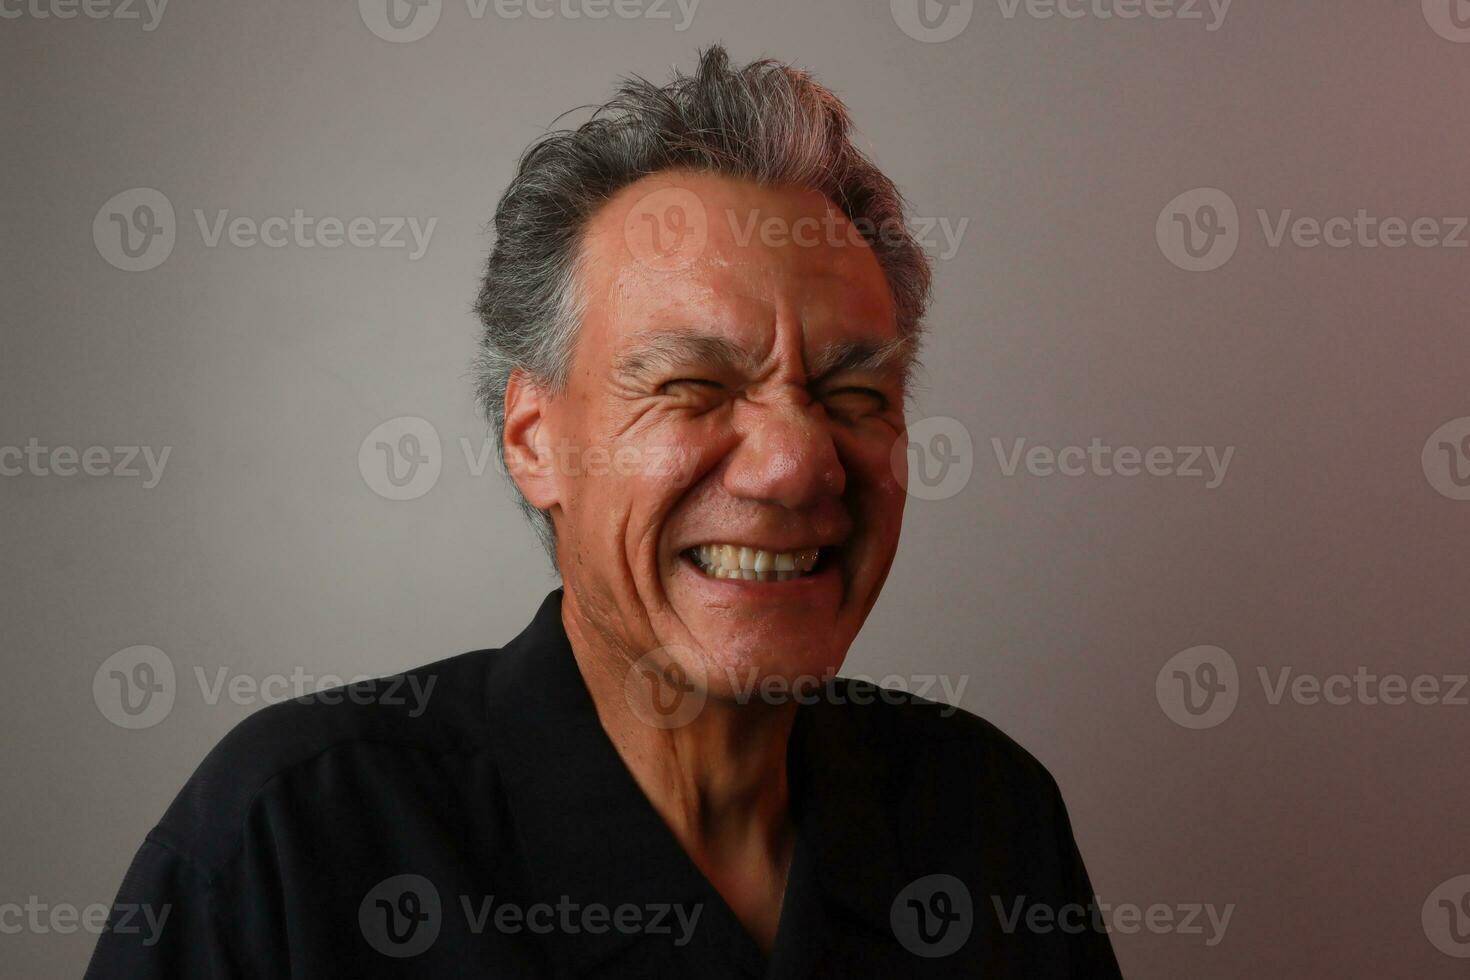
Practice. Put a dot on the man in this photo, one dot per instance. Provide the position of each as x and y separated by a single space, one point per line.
700 313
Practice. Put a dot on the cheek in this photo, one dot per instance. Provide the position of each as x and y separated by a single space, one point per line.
871 470
650 475
676 454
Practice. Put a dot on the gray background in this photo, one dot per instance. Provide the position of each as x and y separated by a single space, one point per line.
266 550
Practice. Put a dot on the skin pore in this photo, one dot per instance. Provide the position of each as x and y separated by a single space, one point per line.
738 379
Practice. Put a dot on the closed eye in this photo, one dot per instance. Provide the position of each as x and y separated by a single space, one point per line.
857 391
696 382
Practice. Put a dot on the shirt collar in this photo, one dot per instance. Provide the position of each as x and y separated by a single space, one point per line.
589 833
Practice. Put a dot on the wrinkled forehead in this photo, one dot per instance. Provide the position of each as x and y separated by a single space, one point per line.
716 255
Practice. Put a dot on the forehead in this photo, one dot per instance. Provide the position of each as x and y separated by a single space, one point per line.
711 253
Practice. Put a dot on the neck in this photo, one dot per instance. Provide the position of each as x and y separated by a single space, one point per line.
719 782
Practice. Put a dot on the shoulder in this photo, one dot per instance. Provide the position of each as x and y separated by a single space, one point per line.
384 724
945 757
910 724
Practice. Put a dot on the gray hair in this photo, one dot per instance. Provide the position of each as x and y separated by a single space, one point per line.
767 123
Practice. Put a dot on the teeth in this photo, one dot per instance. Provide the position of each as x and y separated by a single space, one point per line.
728 561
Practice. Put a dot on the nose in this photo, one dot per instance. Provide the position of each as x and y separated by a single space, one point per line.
786 454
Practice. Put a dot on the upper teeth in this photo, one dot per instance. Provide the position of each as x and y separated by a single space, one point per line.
736 561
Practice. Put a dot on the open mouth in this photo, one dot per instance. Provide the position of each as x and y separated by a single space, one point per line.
733 561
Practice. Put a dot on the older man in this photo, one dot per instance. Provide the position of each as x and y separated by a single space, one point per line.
700 314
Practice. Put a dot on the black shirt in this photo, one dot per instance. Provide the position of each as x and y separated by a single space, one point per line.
491 830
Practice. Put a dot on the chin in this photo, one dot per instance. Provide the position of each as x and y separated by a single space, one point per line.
736 662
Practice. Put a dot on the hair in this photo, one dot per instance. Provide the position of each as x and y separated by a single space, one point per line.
768 123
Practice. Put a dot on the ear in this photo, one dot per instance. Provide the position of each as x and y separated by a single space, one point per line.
528 441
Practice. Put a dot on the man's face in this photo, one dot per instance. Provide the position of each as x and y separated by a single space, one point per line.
735 393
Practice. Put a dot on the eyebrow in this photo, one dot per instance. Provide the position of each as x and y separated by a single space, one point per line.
679 348
665 350
894 356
